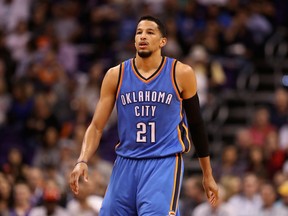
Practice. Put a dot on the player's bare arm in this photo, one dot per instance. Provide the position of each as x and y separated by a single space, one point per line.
187 84
94 131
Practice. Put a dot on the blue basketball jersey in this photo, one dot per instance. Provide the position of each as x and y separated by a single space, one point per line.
151 122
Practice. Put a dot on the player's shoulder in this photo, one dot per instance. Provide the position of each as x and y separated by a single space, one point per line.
111 77
114 71
183 69
185 77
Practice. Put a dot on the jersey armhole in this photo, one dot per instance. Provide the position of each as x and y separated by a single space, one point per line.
120 77
174 77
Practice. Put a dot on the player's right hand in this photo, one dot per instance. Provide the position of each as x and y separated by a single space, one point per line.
80 170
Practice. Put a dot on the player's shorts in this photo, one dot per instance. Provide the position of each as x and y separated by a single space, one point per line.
144 187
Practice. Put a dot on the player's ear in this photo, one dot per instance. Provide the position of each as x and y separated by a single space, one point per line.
163 42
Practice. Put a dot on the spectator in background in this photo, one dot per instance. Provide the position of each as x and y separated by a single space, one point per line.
283 138
35 180
48 72
67 54
258 25
21 104
102 166
66 32
229 164
104 21
38 122
14 168
51 198
11 11
198 60
188 25
39 17
209 73
243 142
48 153
21 204
81 111
283 191
100 182
211 37
268 10
279 178
87 93
66 156
65 21
77 138
256 163
88 86
269 197
193 195
172 48
5 195
232 185
17 41
51 172
261 126
248 202
279 109
237 37
274 156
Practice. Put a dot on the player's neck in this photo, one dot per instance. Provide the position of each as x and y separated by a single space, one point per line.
148 64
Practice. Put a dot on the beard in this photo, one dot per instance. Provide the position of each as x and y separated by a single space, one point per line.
144 54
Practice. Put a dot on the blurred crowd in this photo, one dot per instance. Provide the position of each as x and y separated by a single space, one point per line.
53 56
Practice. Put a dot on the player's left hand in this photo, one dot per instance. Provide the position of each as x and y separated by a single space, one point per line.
80 169
211 190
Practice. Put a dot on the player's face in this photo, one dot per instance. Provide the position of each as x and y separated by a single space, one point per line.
148 38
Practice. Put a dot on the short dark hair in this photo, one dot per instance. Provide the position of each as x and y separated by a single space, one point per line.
160 25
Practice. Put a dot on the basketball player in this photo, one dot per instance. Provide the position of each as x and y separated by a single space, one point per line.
155 97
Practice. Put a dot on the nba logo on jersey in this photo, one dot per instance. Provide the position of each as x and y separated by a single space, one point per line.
171 213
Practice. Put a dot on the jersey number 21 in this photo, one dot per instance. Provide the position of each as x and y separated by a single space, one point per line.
142 132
